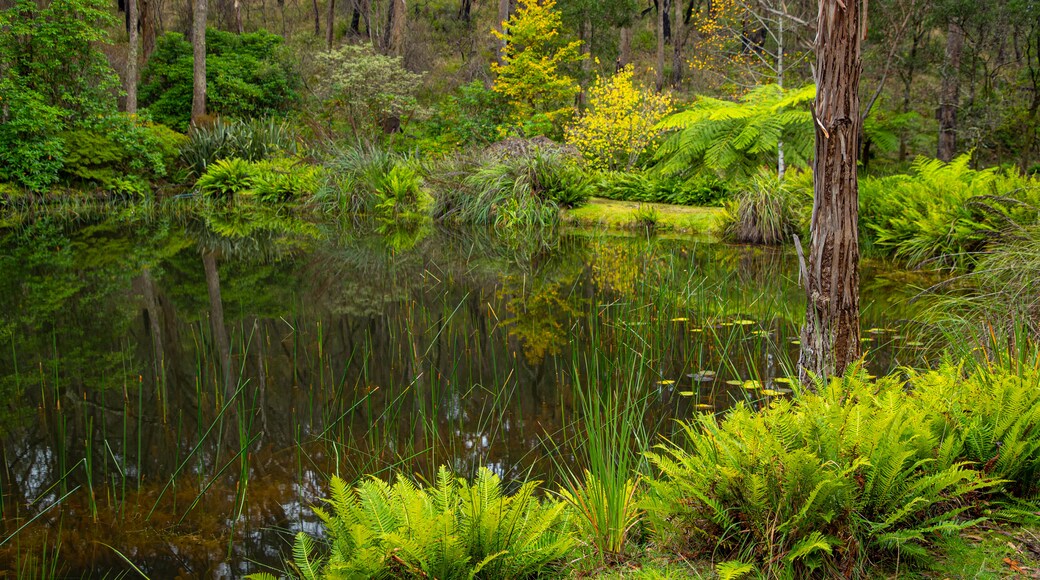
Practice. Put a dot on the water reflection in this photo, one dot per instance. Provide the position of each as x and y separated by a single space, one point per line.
182 395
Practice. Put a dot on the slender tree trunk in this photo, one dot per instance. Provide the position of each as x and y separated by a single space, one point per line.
216 318
505 10
830 338
198 43
330 30
678 38
131 59
781 162
398 26
317 19
659 78
950 92
236 6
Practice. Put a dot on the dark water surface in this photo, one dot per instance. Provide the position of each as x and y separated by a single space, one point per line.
181 398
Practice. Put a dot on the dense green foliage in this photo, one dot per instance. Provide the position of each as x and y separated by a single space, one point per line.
451 530
769 210
854 472
247 76
252 140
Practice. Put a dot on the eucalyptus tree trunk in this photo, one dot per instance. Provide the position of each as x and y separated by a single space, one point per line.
678 36
505 8
131 59
625 47
830 338
198 43
659 78
950 93
330 31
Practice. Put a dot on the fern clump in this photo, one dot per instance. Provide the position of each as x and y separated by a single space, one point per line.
453 529
817 485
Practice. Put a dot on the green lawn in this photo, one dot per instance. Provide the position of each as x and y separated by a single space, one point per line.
625 215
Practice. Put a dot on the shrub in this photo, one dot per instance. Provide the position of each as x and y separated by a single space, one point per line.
280 180
252 140
470 116
453 529
769 211
816 486
400 199
621 122
355 175
109 149
366 88
945 212
227 178
700 190
247 76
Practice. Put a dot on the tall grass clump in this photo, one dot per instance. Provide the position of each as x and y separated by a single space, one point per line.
252 140
516 191
855 473
768 211
945 213
450 530
358 174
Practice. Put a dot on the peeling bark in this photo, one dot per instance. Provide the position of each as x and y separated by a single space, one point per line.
830 338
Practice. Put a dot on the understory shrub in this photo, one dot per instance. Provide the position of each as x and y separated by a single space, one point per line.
945 213
453 529
768 211
251 140
247 76
280 180
700 190
856 472
111 149
515 191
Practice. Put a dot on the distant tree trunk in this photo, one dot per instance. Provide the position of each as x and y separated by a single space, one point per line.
505 10
396 25
830 339
625 47
198 43
355 19
949 95
237 8
317 19
147 15
659 78
677 44
131 59
465 10
330 32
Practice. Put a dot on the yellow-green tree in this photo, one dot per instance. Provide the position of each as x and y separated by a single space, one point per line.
530 77
621 121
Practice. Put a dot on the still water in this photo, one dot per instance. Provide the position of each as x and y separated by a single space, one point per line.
179 398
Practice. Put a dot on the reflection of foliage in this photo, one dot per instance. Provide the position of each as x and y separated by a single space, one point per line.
539 318
621 267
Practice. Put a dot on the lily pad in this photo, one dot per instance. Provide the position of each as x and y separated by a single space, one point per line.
686 393
771 393
752 385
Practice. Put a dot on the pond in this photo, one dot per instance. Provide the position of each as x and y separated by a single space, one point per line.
179 399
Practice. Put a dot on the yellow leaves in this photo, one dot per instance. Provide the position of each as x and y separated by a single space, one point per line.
620 123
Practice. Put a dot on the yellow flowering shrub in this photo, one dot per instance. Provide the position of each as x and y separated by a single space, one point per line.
539 94
621 121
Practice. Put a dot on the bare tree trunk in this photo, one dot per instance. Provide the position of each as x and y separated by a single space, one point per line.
330 31
237 8
625 47
830 338
146 13
950 92
131 59
677 44
505 10
317 19
398 26
659 78
198 43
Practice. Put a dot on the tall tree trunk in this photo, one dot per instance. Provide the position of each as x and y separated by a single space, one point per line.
950 92
146 13
398 26
330 31
216 319
317 19
236 6
677 44
659 78
198 43
781 161
131 59
625 48
830 337
505 10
